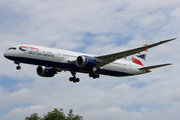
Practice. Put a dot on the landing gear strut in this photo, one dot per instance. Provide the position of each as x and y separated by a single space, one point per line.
18 67
73 79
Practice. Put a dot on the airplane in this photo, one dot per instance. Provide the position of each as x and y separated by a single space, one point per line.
50 61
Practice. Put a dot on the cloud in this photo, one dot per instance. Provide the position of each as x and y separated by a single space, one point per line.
17 113
16 97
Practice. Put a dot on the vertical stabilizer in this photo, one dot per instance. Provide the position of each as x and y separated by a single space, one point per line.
139 58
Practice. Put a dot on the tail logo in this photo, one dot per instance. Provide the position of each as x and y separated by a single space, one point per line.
139 58
134 60
143 56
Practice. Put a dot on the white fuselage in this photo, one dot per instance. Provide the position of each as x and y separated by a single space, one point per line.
62 59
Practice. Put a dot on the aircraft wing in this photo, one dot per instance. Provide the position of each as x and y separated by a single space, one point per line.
106 59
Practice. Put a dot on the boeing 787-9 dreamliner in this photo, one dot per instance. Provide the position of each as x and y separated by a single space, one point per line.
50 61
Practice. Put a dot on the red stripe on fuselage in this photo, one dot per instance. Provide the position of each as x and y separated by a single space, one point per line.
28 47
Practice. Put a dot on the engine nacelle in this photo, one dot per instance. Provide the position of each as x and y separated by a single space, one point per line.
86 62
45 71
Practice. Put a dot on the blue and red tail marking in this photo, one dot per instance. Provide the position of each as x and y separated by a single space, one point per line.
139 58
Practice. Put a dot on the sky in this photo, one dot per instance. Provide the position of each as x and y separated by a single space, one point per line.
95 27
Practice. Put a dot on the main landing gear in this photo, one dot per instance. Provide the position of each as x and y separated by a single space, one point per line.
94 75
73 79
18 67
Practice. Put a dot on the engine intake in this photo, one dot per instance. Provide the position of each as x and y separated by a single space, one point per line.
45 71
85 62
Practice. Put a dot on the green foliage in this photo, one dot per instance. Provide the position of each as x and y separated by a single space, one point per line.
56 115
72 117
33 116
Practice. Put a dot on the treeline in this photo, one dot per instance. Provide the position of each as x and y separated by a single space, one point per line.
56 115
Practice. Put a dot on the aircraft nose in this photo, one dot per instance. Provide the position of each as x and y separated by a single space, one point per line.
6 54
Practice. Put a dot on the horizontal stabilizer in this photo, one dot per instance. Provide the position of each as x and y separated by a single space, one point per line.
153 67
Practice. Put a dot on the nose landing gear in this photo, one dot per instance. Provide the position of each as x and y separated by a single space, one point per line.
18 67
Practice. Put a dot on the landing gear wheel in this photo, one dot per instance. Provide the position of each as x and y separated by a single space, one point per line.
90 75
77 80
18 67
70 79
74 81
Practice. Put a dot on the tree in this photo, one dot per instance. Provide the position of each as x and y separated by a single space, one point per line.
71 116
56 115
33 116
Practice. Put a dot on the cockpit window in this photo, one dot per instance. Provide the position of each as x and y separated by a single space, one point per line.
12 48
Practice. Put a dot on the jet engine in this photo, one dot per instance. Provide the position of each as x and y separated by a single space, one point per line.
45 71
85 62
